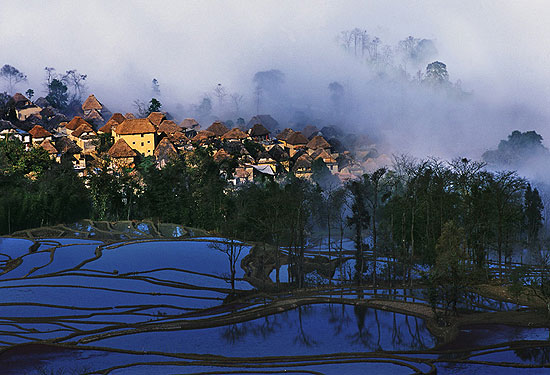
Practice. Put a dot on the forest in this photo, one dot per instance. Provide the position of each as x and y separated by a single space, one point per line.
445 215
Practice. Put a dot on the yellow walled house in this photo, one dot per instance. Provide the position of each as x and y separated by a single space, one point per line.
84 136
139 134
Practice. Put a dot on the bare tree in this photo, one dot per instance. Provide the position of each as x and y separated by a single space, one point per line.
50 76
220 93
232 249
155 87
258 98
237 100
12 76
141 108
76 82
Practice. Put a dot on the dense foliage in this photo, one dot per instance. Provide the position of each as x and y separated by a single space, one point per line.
404 211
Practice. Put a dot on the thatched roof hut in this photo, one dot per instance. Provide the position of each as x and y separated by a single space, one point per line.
318 142
218 128
91 103
135 126
39 132
296 139
121 149
156 118
168 127
76 122
49 147
118 117
235 134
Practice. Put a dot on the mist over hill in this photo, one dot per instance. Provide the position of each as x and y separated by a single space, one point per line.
496 70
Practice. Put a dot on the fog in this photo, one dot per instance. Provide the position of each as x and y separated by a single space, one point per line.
499 50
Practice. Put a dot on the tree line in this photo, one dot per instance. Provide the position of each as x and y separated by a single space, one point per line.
398 213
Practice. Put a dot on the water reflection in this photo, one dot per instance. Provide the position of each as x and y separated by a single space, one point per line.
534 355
322 328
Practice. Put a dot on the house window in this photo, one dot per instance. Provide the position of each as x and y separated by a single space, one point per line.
133 143
141 135
141 144
148 141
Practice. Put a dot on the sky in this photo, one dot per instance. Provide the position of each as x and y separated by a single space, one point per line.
499 50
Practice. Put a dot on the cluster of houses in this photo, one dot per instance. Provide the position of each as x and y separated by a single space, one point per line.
257 147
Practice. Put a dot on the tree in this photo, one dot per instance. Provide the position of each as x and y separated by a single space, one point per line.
506 200
376 194
155 87
416 50
220 93
452 273
50 75
359 220
29 93
57 94
141 108
269 80
533 214
76 83
6 103
204 109
520 148
12 76
436 74
154 106
237 100
336 96
232 249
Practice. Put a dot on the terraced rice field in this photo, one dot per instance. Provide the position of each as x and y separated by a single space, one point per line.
144 302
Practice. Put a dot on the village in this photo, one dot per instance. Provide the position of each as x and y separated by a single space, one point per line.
259 147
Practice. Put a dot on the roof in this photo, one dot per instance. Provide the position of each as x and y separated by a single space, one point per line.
129 115
94 115
118 117
203 135
121 150
266 120
264 155
67 146
109 126
189 123
76 122
322 154
221 155
84 128
241 172
303 162
258 130
39 132
318 142
178 138
165 150
42 102
135 126
297 138
156 118
91 103
284 134
48 146
19 98
264 169
278 153
168 127
235 133
218 128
